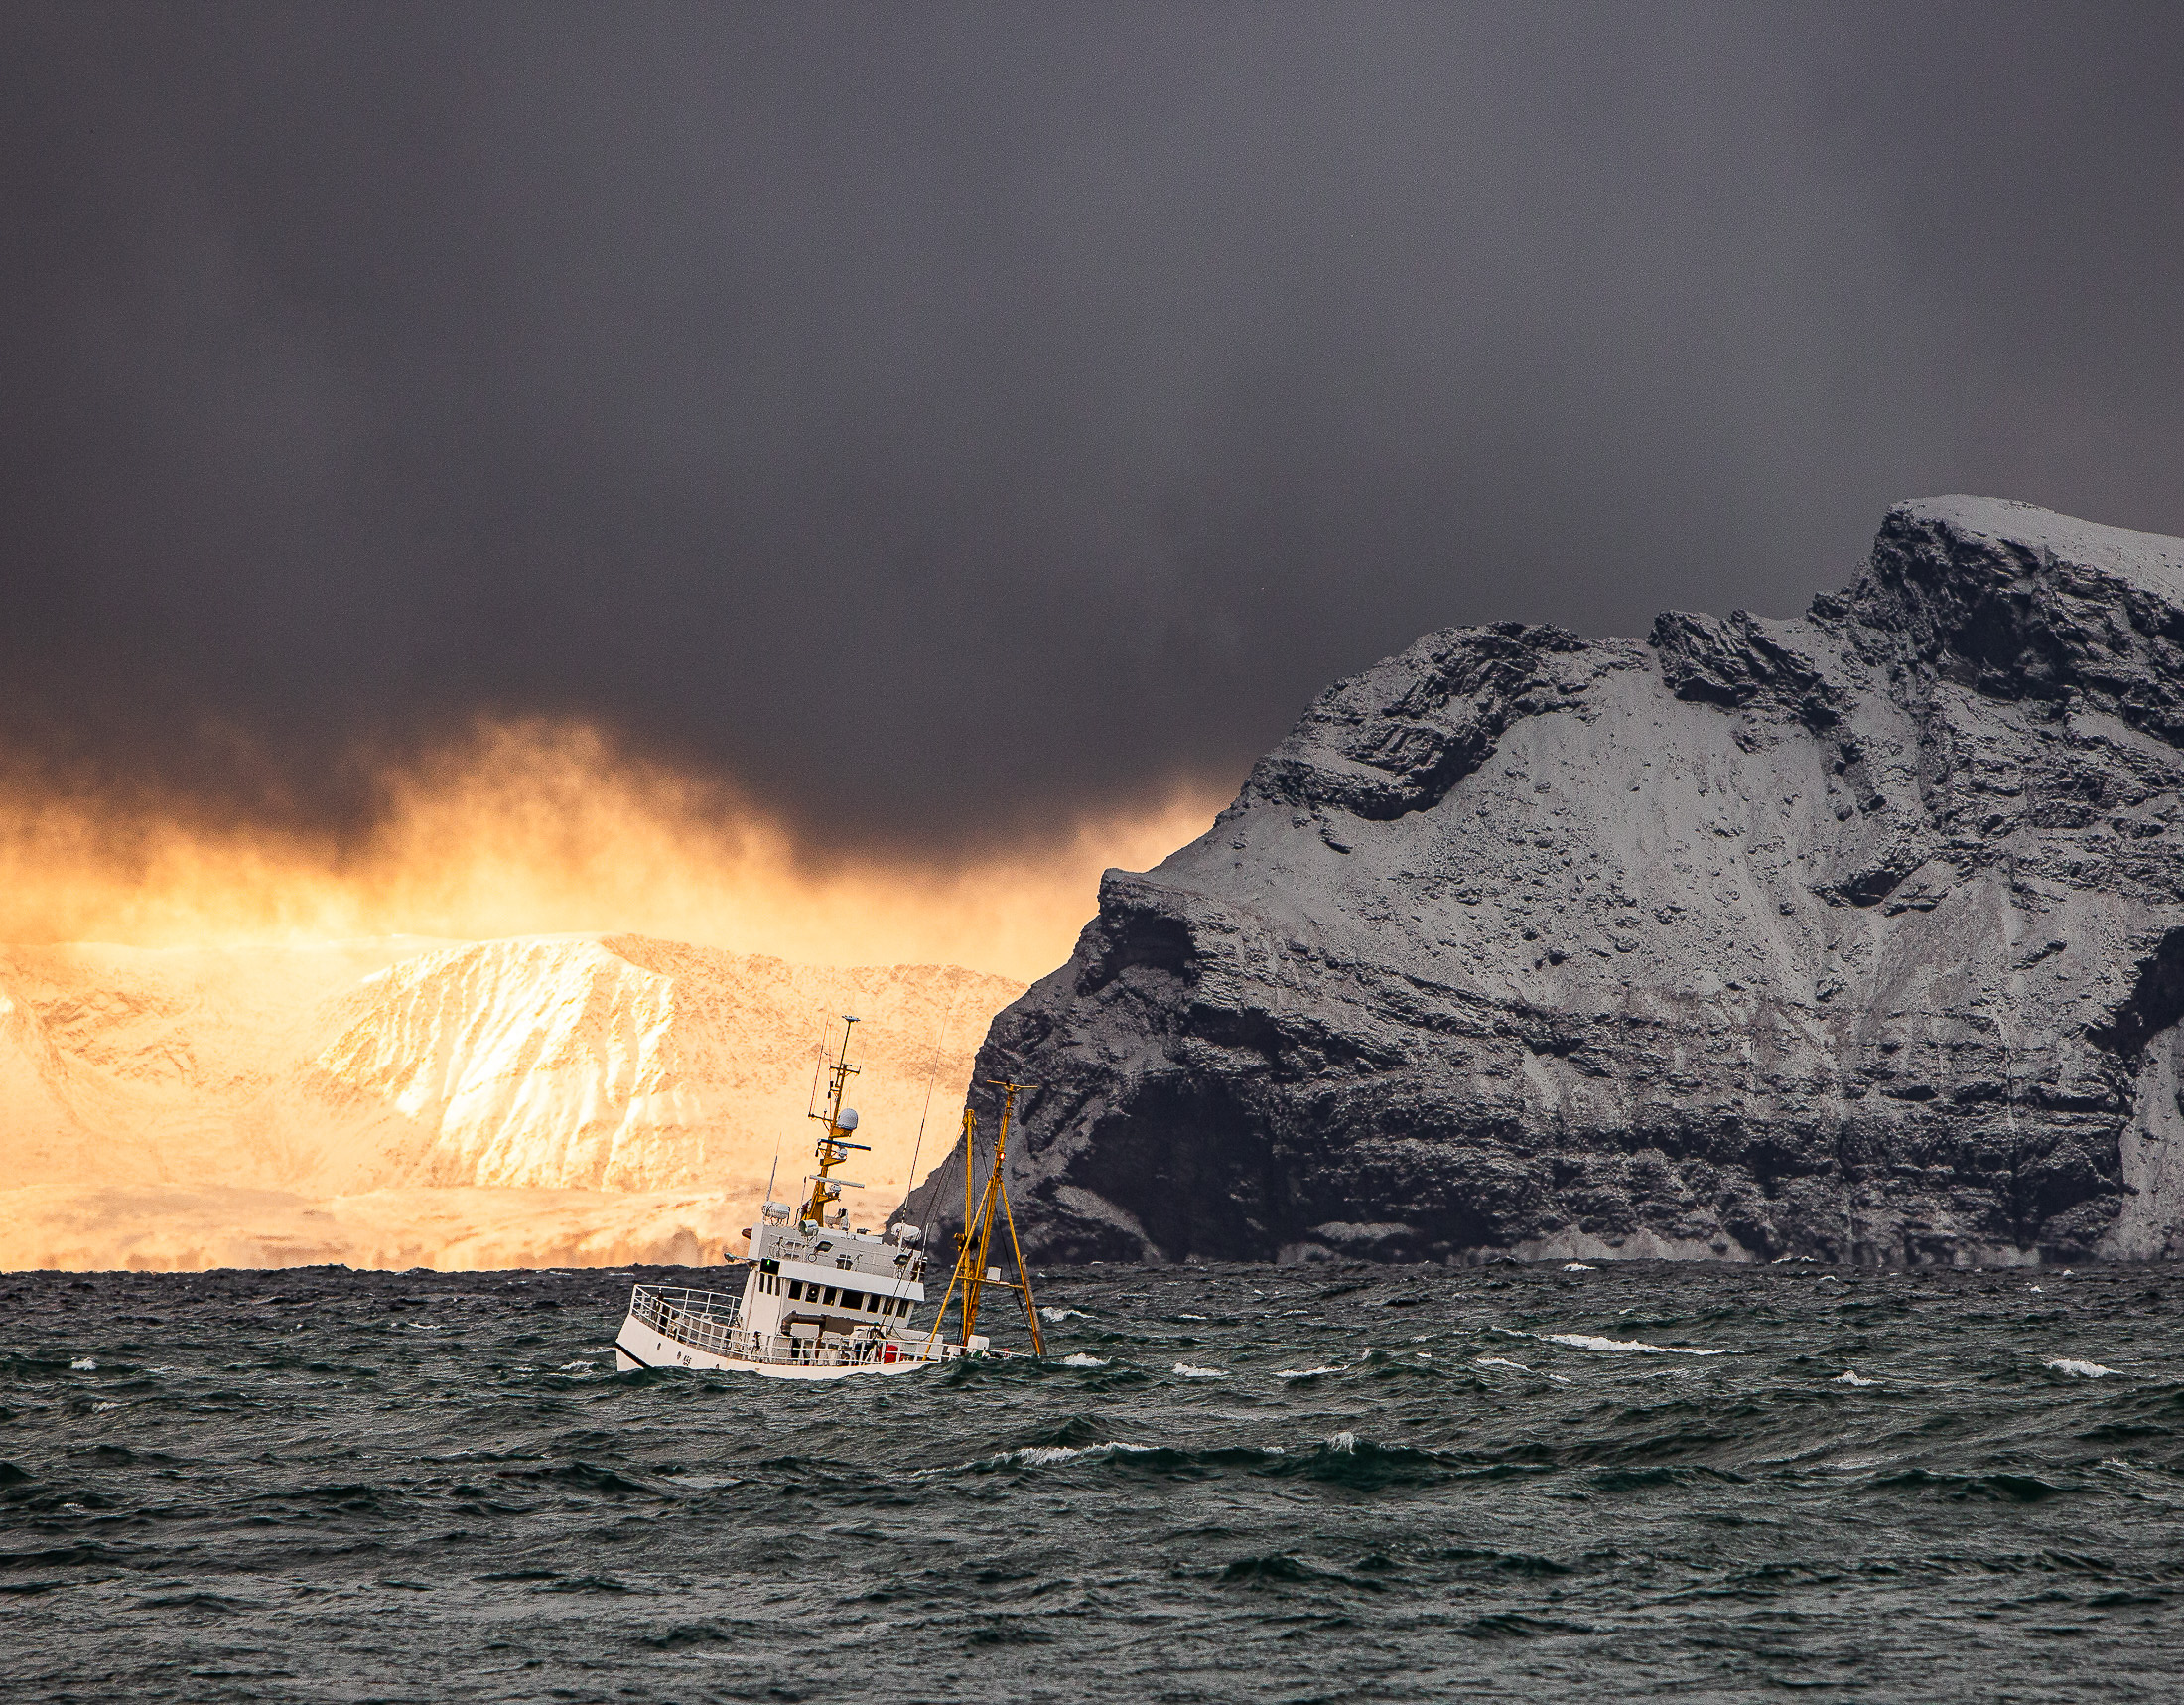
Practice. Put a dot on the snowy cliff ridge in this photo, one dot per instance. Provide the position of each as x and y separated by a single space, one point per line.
1860 936
541 1100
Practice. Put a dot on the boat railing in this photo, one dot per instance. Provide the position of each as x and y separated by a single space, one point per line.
706 1320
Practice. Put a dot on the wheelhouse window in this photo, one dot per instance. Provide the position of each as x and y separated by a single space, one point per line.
796 1290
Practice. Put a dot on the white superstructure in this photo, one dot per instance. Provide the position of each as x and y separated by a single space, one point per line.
817 1303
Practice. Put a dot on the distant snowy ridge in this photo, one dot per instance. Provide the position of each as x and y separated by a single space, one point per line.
614 1074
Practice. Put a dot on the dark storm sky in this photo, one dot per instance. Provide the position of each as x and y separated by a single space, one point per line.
994 410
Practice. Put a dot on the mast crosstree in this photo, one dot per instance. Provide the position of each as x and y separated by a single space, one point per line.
834 1145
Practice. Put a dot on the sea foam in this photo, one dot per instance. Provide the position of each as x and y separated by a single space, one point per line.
2081 1370
1045 1456
1586 1340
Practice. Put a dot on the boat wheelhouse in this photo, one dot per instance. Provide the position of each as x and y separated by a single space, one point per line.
821 1300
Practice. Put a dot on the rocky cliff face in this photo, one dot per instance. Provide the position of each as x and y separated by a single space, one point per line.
1859 936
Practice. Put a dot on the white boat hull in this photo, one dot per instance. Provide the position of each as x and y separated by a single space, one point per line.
641 1345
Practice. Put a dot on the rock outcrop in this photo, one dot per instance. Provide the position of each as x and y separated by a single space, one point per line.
1860 936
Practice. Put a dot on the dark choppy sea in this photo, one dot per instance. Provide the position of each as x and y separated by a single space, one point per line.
1242 1483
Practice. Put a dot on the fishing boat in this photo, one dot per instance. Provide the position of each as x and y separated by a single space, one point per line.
823 1300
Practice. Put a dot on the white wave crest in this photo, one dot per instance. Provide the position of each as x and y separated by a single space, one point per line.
1498 1362
1849 1376
2081 1370
1303 1372
1190 1372
1586 1340
1045 1456
1039 1456
1346 1443
1578 1267
1080 1360
1190 1316
1058 1315
83 1364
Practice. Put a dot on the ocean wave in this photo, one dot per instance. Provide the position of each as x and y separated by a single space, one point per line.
1578 1267
2081 1370
1190 1372
1589 1340
1995 1487
1044 1456
1123 1452
1303 1372
1080 1360
1849 1376
1058 1315
1285 1569
1520 1366
1343 1458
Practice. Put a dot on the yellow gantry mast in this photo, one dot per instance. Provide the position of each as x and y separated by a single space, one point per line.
833 1147
972 1275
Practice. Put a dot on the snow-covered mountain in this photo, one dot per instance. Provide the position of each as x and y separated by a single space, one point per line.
1860 936
597 1098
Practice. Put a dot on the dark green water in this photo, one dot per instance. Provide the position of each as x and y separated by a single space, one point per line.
324 1486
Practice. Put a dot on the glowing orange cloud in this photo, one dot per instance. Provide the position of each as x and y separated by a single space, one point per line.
538 827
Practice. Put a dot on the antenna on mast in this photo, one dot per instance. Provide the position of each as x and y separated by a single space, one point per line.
932 1078
818 1058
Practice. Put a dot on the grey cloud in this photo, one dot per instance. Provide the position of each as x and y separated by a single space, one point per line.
1004 409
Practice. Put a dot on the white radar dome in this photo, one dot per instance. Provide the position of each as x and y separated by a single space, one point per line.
847 1120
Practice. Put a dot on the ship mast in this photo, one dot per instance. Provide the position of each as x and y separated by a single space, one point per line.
833 1147
972 1275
